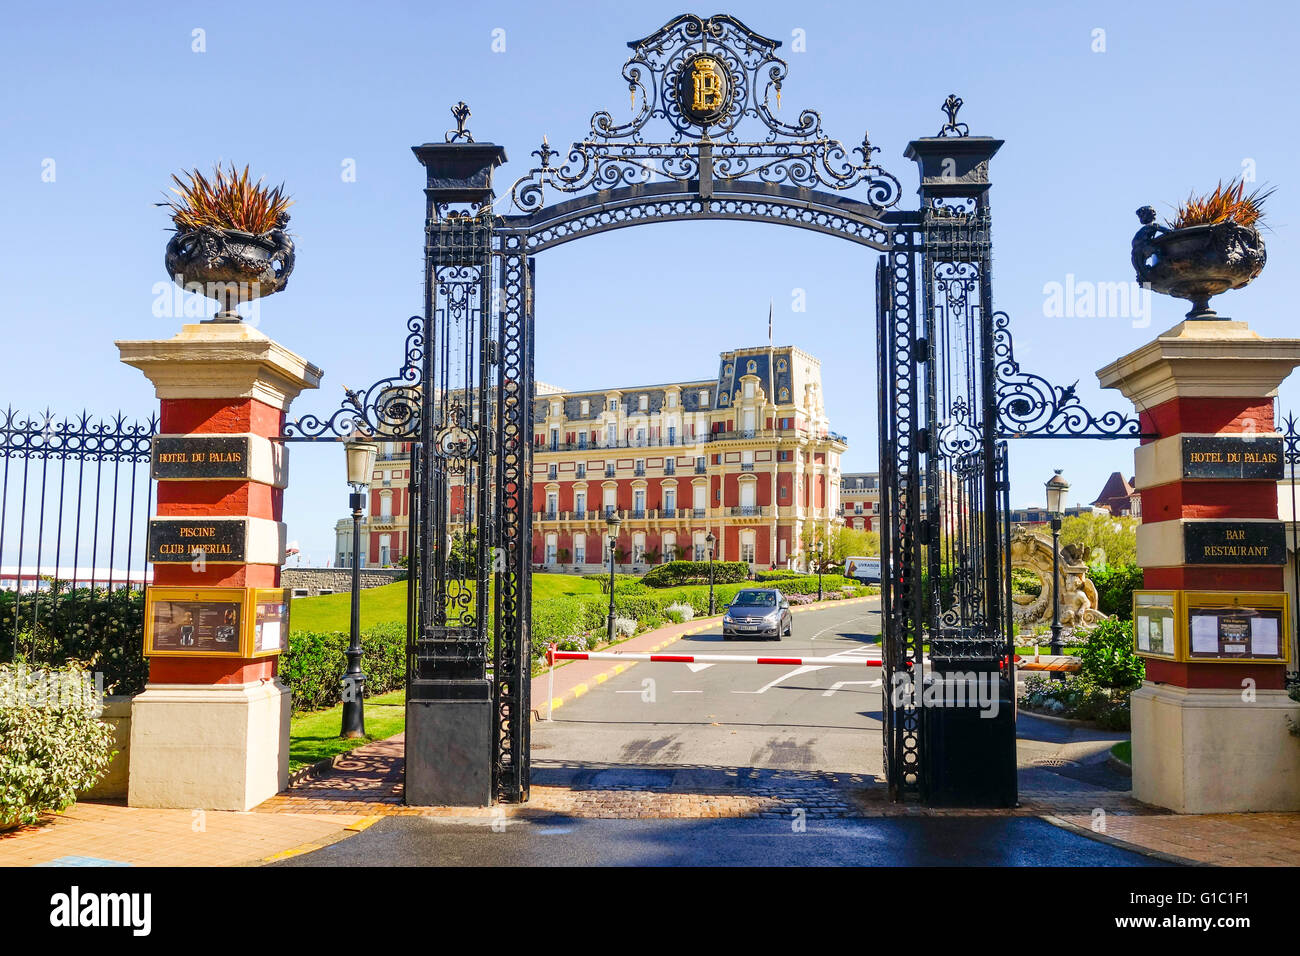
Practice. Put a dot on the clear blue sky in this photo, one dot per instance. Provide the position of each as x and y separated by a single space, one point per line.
114 95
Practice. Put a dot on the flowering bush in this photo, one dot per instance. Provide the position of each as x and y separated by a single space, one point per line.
625 626
679 613
51 746
1079 698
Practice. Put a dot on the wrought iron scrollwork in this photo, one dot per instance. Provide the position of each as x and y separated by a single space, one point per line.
950 107
1029 406
742 138
42 438
389 409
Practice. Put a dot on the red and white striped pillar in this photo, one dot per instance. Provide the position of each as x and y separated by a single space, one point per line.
212 731
1210 733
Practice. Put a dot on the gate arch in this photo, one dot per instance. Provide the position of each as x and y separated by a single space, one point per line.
705 141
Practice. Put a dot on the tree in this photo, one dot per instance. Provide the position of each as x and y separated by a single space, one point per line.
1101 538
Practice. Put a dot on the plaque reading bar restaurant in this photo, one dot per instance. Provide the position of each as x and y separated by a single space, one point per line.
1232 456
206 456
176 540
194 622
1234 542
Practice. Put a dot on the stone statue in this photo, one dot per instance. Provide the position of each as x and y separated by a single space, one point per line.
1033 551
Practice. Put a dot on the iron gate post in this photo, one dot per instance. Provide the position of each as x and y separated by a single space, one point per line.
968 747
450 740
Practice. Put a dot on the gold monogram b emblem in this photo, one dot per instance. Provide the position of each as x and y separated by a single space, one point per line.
706 80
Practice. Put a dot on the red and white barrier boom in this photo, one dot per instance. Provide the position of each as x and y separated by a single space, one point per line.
553 655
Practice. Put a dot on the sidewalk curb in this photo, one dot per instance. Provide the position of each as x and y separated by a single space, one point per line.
578 690
1121 844
311 770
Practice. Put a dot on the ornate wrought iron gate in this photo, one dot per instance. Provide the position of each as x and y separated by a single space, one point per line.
950 393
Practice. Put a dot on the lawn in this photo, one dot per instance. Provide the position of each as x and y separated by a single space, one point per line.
331 612
1124 751
315 736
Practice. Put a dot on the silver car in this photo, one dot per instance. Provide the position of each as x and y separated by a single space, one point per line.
758 612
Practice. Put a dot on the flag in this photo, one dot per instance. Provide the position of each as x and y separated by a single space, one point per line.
769 322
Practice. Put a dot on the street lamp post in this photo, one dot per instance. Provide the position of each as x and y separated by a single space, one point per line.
1056 489
710 540
612 522
820 562
361 462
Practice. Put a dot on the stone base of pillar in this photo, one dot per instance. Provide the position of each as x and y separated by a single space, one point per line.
449 753
1203 750
209 747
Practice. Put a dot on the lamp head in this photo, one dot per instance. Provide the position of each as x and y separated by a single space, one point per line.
1056 488
361 454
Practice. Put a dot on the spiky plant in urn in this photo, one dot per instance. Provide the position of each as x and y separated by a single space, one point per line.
230 243
1212 245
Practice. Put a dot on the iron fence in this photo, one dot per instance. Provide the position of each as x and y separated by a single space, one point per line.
75 499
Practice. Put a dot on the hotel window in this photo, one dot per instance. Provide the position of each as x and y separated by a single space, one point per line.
555 409
643 402
749 389
670 466
552 503
385 548
670 546
640 467
672 399
550 548
638 548
640 436
747 546
638 502
580 503
585 406
701 549
610 500
613 404
704 398
385 504
670 500
579 549
611 436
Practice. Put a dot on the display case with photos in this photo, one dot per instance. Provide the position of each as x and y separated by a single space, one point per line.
1212 625
215 622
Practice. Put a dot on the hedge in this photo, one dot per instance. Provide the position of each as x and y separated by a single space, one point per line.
312 667
676 573
102 629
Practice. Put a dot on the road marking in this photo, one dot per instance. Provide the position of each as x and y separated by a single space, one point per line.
844 683
858 617
688 692
696 668
807 668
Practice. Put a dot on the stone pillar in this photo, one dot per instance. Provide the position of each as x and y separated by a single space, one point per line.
1210 735
213 732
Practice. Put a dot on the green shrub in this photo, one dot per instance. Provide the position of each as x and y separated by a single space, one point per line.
51 744
1078 698
1115 587
313 664
677 573
1108 659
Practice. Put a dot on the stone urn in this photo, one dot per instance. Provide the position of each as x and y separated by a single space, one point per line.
1198 262
231 266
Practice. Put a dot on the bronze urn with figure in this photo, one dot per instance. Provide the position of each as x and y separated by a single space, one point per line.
1212 245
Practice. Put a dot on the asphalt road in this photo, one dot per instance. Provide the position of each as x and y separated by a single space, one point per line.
562 841
763 716
687 727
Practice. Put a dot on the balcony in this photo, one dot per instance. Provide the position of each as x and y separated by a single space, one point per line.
637 513
609 471
581 472
698 512
701 469
747 511
743 434
638 473
668 513
747 466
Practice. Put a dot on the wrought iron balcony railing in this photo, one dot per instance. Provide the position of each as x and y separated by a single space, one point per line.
697 512
747 466
747 511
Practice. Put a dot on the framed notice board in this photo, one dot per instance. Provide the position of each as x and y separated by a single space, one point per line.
1155 623
1236 626
1225 626
270 621
215 622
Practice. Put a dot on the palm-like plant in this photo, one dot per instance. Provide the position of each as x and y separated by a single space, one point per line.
229 200
1228 203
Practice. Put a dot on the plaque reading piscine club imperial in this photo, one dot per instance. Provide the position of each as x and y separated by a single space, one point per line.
174 540
207 456
1234 542
1230 456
